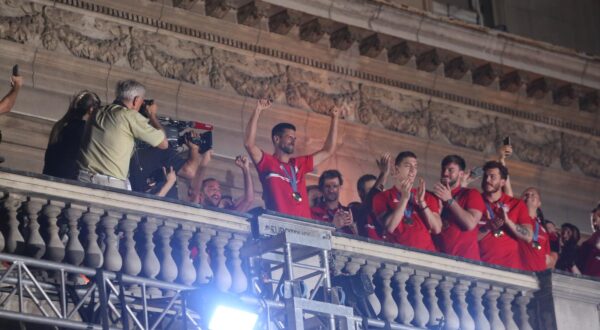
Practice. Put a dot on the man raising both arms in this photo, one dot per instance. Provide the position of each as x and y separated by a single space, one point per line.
282 176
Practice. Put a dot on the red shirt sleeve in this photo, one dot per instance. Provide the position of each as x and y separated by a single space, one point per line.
305 164
262 165
433 202
379 207
475 201
523 217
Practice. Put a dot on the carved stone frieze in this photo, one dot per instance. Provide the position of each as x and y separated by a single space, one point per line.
581 153
461 127
19 22
532 144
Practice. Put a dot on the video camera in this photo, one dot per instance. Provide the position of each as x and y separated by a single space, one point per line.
177 131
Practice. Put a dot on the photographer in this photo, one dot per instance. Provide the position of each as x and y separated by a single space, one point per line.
110 134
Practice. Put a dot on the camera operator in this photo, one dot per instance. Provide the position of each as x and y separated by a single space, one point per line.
110 134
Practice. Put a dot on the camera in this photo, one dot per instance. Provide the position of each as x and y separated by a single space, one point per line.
178 131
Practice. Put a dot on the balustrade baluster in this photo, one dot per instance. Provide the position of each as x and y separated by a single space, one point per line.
389 309
451 321
353 265
462 309
132 263
431 300
339 262
150 262
93 255
14 240
222 276
74 253
369 268
522 316
168 269
112 257
416 299
55 249
204 273
35 246
506 313
406 313
239 279
491 300
476 292
187 273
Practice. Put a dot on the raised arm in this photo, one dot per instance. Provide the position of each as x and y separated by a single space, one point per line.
505 152
246 202
331 142
522 232
196 184
467 219
9 100
152 108
250 139
433 219
383 163
171 178
392 220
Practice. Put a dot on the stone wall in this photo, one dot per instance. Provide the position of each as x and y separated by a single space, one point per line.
211 69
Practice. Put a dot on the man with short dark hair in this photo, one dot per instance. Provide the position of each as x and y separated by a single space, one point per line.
408 216
329 209
282 176
110 133
462 211
505 222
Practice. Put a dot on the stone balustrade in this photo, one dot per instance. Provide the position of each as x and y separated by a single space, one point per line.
121 232
97 227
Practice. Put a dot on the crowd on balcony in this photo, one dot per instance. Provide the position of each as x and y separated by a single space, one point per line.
102 144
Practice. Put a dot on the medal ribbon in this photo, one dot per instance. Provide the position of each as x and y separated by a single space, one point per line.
491 211
536 232
409 207
291 176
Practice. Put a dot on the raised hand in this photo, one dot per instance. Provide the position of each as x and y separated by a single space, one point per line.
170 175
383 163
242 162
206 157
443 192
263 104
405 187
504 152
16 81
421 192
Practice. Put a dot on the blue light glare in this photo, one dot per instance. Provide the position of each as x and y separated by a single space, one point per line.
228 318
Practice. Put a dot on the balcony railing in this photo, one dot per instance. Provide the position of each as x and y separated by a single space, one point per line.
179 243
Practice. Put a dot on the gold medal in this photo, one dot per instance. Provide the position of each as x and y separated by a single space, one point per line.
498 233
297 197
536 245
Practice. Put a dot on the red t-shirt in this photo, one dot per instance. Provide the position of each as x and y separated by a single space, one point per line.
453 239
414 233
504 250
320 212
533 259
591 264
277 188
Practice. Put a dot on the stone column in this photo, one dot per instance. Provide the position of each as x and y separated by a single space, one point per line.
239 282
187 273
35 246
55 249
451 321
204 273
74 252
339 262
112 257
93 255
522 316
222 276
416 298
491 303
431 300
462 309
168 269
353 265
150 263
132 262
14 240
506 313
476 292
389 309
369 268
406 313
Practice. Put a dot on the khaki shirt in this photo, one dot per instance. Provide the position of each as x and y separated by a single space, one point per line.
108 140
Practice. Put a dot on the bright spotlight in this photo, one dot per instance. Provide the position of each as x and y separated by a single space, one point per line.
227 318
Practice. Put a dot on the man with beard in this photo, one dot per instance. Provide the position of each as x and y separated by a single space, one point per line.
209 192
408 216
329 208
505 221
536 256
282 176
462 211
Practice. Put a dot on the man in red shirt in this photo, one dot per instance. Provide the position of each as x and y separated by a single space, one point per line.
408 216
536 255
590 249
329 208
505 221
462 211
281 175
